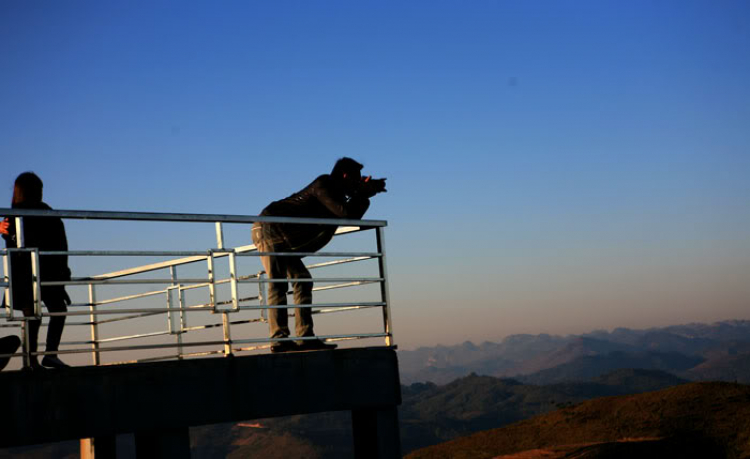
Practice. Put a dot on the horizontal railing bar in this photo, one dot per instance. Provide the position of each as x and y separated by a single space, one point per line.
154 267
124 282
201 253
344 285
114 311
315 289
125 298
120 319
125 253
315 279
127 337
171 263
144 347
175 217
216 325
362 255
255 276
338 262
197 281
310 338
201 308
76 343
165 332
368 304
351 308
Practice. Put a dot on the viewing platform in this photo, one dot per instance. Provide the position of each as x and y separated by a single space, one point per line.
181 340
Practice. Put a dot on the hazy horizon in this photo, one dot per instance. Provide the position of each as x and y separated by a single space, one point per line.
553 167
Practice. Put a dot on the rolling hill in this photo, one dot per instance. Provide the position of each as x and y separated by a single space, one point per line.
691 420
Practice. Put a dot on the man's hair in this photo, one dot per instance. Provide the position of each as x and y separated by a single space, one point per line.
344 166
29 185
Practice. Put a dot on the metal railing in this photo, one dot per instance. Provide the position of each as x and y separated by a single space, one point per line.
234 293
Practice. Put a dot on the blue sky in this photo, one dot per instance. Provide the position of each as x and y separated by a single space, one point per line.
553 166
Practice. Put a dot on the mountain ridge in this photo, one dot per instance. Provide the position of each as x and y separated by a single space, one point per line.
532 358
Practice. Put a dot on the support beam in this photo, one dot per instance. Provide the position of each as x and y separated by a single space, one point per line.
102 447
376 434
173 443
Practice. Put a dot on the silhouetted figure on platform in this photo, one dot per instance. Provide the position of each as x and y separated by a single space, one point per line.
45 234
343 193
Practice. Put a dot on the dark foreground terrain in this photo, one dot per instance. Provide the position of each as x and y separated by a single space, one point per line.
697 420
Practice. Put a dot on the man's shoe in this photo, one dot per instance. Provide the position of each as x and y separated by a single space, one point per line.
34 366
53 361
8 345
315 345
284 346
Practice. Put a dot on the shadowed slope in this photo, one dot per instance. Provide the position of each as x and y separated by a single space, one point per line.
712 419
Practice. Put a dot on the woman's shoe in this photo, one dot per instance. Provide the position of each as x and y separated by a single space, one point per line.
53 361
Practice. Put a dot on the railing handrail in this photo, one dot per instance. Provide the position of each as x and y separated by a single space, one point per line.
177 217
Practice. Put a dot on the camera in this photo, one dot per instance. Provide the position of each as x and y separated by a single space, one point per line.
370 186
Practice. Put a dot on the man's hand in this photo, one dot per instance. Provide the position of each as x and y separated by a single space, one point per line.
4 226
369 186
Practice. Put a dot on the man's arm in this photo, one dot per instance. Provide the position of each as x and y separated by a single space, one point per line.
353 209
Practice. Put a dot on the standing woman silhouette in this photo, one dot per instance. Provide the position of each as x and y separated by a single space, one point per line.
45 234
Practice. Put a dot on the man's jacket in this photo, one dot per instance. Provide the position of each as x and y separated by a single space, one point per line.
325 197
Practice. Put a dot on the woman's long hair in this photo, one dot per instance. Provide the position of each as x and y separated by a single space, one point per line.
28 188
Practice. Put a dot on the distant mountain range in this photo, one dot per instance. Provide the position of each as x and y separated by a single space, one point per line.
697 420
719 351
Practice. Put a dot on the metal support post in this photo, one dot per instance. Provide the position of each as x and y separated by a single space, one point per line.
102 447
36 283
19 232
227 334
219 235
262 298
211 282
384 292
182 319
25 324
233 281
172 443
376 434
96 358
9 289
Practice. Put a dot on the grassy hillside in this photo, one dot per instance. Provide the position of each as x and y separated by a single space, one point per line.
707 419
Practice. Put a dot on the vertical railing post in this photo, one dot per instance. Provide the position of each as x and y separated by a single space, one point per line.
262 298
36 283
25 323
180 302
384 292
94 326
226 323
7 267
219 235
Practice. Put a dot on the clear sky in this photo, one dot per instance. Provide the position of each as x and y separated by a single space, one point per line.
553 166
